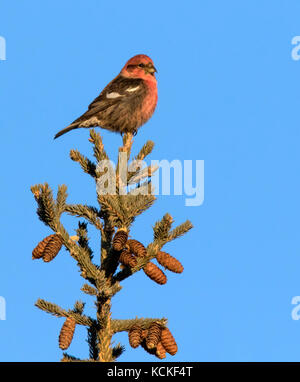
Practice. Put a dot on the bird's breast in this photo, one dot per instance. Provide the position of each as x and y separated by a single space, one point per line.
150 100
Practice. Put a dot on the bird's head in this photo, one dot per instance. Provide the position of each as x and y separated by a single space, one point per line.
140 66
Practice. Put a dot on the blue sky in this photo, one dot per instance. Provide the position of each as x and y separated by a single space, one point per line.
228 95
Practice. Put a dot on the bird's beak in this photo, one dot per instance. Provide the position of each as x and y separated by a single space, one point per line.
151 69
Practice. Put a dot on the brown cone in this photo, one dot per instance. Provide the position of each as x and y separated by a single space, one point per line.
153 336
160 351
168 341
38 251
137 248
135 336
120 240
143 342
144 346
66 333
169 262
52 248
155 273
127 258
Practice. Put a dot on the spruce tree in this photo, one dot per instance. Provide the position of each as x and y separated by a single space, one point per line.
120 256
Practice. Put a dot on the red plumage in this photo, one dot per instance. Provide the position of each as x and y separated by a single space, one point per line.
126 103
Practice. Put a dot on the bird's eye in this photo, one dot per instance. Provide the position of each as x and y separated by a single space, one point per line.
141 65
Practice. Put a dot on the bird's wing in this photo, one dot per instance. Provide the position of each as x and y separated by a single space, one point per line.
118 91
121 89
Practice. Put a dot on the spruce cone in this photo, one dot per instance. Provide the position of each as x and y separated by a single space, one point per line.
153 336
52 248
155 273
137 248
160 351
120 240
135 336
169 262
127 258
38 251
144 346
66 333
168 341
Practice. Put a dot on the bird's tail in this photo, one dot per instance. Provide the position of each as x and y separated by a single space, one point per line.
66 129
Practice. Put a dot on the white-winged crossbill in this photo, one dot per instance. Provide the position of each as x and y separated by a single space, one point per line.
126 103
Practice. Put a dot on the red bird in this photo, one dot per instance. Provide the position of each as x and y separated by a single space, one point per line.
126 103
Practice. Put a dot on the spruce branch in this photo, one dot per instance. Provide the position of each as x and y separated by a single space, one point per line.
88 289
110 204
78 307
83 240
125 325
86 164
92 341
57 311
51 308
162 235
162 227
139 173
117 351
136 204
135 177
145 150
90 213
46 207
98 148
61 199
180 230
152 250
70 358
80 254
